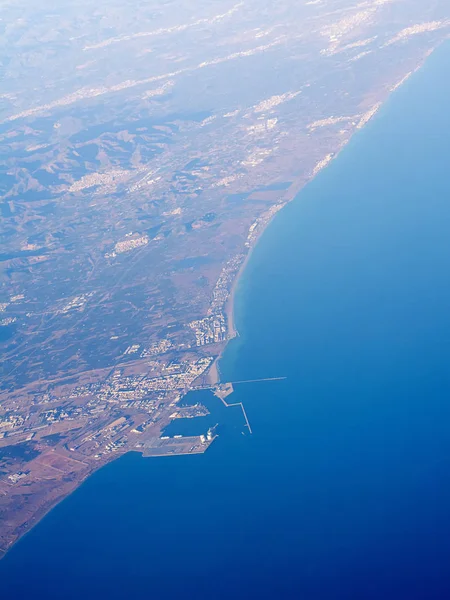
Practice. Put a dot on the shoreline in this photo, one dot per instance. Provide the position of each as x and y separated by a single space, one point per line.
289 195
213 375
45 510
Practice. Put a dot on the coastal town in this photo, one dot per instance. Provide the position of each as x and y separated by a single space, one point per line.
63 431
140 174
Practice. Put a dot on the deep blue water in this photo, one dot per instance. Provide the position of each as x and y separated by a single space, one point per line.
343 490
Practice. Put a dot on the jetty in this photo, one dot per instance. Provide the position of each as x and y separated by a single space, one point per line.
223 390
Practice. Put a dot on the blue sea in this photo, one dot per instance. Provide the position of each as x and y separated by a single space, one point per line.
343 490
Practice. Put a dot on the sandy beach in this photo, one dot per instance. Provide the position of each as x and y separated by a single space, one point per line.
213 376
288 195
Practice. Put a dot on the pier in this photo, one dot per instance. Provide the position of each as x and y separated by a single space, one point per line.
247 422
213 387
223 390
257 380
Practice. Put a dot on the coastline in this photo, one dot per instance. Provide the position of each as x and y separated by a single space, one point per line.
320 304
213 376
45 509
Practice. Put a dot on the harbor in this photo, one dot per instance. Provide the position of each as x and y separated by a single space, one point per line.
224 390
